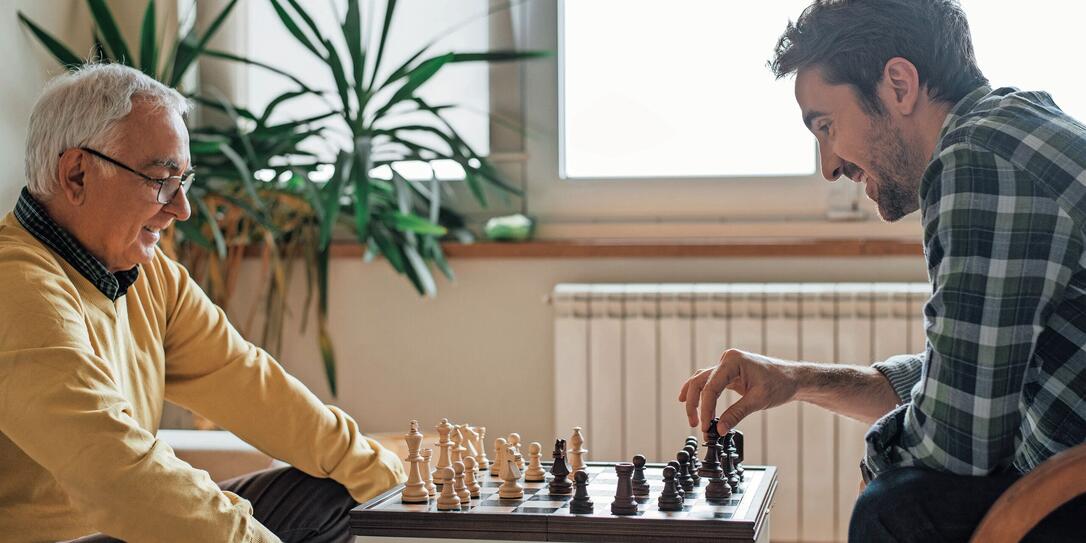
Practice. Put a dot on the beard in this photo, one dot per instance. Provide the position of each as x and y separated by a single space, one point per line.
898 167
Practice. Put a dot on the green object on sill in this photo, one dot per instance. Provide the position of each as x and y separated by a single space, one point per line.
509 228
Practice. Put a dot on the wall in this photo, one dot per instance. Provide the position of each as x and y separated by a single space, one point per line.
482 350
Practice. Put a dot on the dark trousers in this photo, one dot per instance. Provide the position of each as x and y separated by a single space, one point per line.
293 505
915 504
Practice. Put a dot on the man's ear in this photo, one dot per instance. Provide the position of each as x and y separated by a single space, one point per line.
71 172
900 85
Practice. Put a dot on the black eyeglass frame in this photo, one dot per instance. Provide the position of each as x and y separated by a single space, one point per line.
184 181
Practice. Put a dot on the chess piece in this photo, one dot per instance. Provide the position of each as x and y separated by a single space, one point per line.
499 450
454 452
576 454
470 467
581 504
426 475
694 462
560 484
535 473
640 484
448 500
414 490
692 468
710 467
730 459
624 503
443 443
510 488
470 439
514 441
737 442
484 462
458 486
669 499
685 481
678 487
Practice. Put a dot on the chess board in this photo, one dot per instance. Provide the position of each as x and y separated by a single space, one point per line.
541 516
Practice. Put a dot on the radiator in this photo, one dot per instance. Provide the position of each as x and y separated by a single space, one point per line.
623 350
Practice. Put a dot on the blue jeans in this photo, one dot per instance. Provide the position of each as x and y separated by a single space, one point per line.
916 504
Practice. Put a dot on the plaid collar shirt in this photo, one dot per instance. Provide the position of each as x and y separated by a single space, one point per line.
36 220
1002 383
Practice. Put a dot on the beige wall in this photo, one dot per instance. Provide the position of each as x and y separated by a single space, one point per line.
482 351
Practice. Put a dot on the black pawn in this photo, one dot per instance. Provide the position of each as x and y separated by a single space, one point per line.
737 440
624 503
693 468
678 486
694 462
685 481
710 467
560 470
729 460
581 503
670 499
640 484
718 489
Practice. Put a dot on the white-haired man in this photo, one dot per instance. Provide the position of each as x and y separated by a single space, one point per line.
98 327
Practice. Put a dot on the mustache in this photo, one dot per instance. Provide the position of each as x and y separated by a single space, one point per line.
851 170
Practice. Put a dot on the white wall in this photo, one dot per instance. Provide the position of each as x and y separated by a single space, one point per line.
26 67
482 351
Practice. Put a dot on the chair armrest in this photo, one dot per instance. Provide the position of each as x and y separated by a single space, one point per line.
1033 497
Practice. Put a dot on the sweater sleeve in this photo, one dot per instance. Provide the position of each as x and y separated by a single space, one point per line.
61 405
213 370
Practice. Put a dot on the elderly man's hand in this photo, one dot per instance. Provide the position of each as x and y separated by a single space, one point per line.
763 382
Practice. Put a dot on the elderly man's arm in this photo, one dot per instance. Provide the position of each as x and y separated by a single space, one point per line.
60 405
213 370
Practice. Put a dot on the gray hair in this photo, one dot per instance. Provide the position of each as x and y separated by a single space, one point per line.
82 109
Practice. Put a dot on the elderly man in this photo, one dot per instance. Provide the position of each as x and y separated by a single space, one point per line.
98 327
892 92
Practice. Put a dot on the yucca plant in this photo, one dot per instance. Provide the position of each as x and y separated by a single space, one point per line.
395 219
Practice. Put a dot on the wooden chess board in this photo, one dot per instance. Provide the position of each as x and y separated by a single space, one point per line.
540 516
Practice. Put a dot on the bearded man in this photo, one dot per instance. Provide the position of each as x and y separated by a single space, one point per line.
892 92
98 327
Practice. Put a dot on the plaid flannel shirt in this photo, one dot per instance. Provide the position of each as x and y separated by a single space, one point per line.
1002 382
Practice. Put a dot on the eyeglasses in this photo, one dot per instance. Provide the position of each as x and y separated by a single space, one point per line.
167 186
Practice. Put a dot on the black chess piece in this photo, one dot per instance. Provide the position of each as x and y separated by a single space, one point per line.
560 470
693 468
624 503
710 467
718 489
694 462
678 487
670 499
640 484
685 481
581 504
729 458
737 440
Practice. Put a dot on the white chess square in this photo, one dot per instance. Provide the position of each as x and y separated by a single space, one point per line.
494 508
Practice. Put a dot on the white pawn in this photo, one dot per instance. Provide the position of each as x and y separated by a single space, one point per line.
426 475
469 476
576 454
510 489
443 459
459 487
499 451
448 500
514 441
415 488
535 473
484 462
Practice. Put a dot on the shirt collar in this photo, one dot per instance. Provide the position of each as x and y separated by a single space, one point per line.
33 216
964 106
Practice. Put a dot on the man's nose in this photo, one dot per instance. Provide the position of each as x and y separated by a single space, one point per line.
832 165
179 206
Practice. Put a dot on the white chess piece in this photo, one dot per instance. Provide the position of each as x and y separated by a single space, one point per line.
535 473
499 450
510 489
514 441
468 437
576 454
470 466
448 500
414 490
454 452
459 487
426 475
443 459
484 462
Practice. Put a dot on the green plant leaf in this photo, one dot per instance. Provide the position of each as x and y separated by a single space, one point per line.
238 58
415 78
432 248
414 223
330 196
103 19
222 106
333 62
390 9
279 100
60 52
190 49
389 248
328 356
504 55
216 233
191 230
294 29
352 34
148 54
244 175
360 176
426 284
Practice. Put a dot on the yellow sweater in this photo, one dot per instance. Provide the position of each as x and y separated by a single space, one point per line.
82 383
